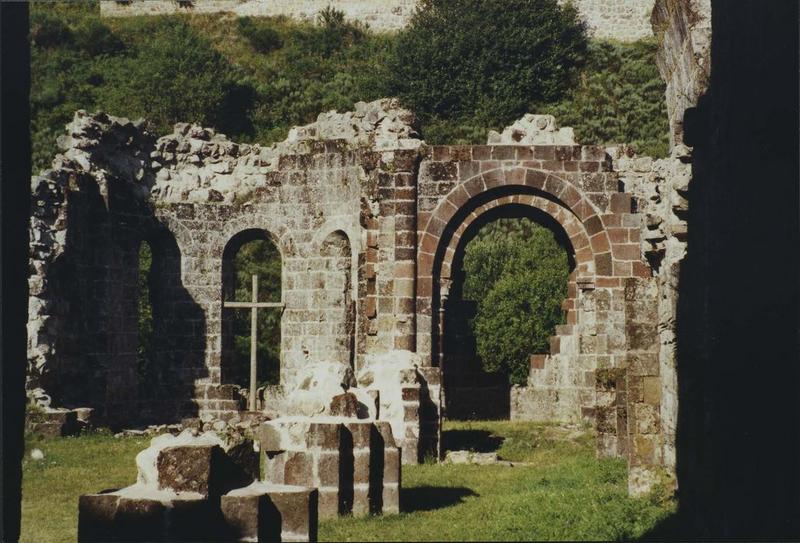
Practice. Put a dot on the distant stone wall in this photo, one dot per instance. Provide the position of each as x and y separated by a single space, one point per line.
382 15
369 221
626 20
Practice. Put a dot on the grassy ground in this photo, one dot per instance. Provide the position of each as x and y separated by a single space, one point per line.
563 492
71 467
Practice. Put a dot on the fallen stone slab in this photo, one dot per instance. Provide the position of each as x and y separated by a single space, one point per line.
479 459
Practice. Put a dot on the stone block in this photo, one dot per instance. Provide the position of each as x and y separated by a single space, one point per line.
328 469
192 519
361 434
96 517
139 519
344 405
269 438
137 514
324 435
275 466
411 394
188 468
329 503
299 468
264 512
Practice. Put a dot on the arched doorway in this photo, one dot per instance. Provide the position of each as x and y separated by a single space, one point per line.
251 284
508 280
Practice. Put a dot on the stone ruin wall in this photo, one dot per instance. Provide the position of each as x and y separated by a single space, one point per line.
116 185
625 20
357 205
337 198
661 189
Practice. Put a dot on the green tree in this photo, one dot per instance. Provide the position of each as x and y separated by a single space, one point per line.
491 60
517 273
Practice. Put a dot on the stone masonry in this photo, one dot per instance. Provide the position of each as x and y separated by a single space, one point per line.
624 20
368 220
199 488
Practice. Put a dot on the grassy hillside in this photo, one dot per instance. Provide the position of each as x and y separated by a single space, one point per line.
253 79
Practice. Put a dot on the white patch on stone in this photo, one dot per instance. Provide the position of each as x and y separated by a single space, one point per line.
146 461
385 373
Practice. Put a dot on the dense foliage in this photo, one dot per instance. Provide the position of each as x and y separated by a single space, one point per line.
491 61
254 78
619 99
251 79
517 273
170 72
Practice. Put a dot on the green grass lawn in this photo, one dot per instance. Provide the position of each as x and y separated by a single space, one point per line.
562 492
71 466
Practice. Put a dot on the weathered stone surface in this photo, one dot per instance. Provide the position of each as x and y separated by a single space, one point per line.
625 20
367 219
684 57
470 457
533 130
268 512
188 469
354 463
344 405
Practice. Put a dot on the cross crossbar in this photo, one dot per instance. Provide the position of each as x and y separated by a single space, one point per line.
254 305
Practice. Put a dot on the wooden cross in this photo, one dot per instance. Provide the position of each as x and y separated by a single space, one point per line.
253 306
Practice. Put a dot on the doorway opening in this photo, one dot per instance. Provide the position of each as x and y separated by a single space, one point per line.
509 280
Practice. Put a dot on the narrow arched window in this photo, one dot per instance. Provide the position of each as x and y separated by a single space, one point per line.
252 309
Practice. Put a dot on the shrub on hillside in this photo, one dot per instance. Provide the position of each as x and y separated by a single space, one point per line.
493 60
48 30
260 34
619 99
95 38
517 273
335 32
175 75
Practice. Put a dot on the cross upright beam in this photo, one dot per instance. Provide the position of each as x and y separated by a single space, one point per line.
254 305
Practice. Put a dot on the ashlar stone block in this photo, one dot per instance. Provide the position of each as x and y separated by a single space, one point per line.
268 512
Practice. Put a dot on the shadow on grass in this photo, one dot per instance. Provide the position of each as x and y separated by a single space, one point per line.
429 498
675 527
470 440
